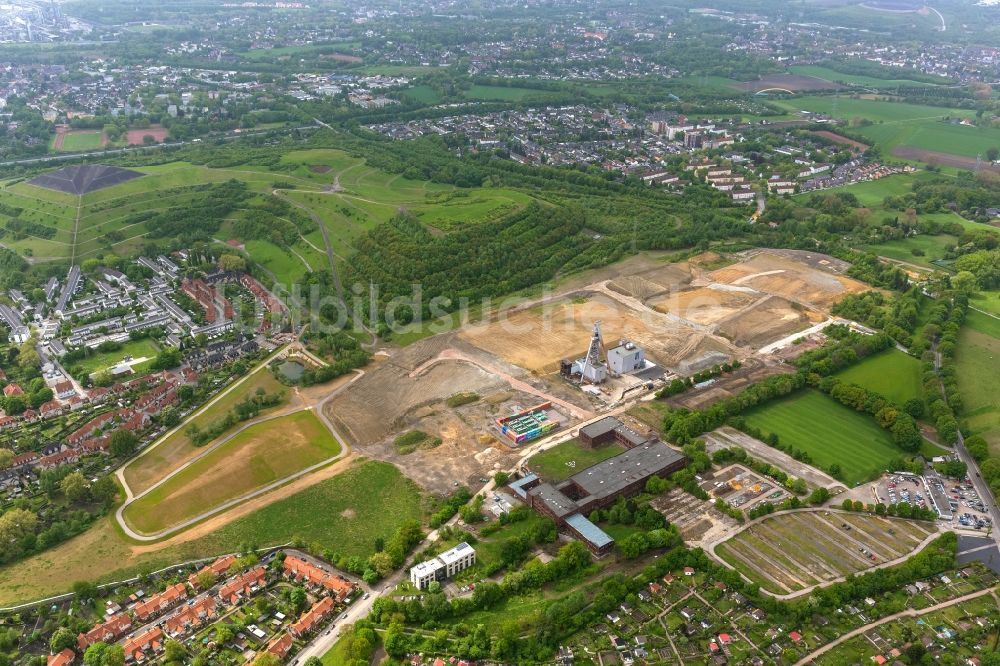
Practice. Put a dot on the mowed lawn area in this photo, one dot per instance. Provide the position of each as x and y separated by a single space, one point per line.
177 449
978 365
346 514
829 432
100 361
261 454
564 460
891 373
82 140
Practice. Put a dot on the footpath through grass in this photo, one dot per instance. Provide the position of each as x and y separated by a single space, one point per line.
345 514
891 373
261 454
170 454
564 460
829 432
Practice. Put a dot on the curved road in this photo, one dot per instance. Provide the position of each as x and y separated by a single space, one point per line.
345 450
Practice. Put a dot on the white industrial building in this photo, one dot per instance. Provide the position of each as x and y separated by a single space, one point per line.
445 565
625 358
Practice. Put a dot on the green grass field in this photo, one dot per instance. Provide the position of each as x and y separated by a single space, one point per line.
367 197
345 514
423 94
988 301
978 366
829 432
932 248
892 374
900 124
263 453
552 464
82 140
134 348
853 79
176 449
502 93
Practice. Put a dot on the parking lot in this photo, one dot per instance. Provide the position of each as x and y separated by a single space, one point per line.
954 500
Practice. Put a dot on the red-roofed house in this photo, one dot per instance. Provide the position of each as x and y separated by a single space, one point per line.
879 659
725 639
64 658
145 644
199 612
280 646
161 602
64 390
312 617
243 585
301 570
795 636
218 567
108 632
12 389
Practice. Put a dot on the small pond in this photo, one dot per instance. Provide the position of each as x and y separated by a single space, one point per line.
291 370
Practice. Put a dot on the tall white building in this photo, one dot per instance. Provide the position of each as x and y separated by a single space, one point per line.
443 566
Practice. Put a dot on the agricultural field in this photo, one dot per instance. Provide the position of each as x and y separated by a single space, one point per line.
502 93
829 432
793 551
562 461
255 457
891 373
177 448
911 126
853 79
978 365
345 513
423 94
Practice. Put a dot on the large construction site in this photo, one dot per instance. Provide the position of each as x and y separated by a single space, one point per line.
602 340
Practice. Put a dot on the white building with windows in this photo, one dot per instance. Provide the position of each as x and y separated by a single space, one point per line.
445 565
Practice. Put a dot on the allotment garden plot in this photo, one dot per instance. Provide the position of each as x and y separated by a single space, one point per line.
792 551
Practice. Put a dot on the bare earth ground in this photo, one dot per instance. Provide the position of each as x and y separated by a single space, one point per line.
135 137
942 159
809 279
793 82
407 392
837 138
537 339
684 315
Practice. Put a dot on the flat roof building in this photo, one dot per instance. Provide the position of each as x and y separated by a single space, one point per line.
445 565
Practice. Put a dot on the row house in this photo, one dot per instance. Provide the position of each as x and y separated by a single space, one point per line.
218 567
312 617
146 644
107 632
243 585
302 571
202 611
64 658
88 429
160 602
64 457
280 646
